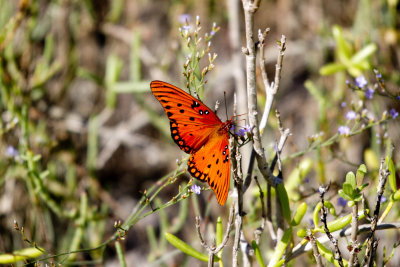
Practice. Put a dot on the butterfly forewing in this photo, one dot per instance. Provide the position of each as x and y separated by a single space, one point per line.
197 130
191 121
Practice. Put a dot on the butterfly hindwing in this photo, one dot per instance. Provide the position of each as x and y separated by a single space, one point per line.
191 121
211 164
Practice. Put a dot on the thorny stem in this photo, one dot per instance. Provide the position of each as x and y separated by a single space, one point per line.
338 255
383 174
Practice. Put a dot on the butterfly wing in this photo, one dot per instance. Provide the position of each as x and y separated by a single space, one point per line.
191 121
211 164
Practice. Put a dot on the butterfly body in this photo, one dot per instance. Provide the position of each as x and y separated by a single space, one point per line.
198 131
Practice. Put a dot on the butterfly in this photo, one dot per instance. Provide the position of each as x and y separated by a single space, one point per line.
198 131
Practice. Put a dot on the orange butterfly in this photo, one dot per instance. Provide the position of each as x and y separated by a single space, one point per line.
197 130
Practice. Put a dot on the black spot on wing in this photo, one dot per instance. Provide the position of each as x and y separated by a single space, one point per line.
195 104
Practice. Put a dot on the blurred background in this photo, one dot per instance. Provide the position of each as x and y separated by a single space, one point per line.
80 125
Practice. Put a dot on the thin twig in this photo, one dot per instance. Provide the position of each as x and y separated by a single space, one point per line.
364 228
316 253
212 250
250 7
354 243
260 230
324 210
270 89
238 185
383 174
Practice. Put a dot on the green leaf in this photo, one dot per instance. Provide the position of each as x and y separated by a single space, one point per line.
299 214
281 247
364 53
186 248
348 190
331 68
360 188
392 175
328 255
257 252
351 179
361 171
284 199
301 232
316 214
396 196
344 195
340 223
371 159
343 48
19 255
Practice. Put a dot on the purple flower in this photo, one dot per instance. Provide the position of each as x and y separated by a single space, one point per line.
307 180
343 104
186 27
347 82
394 113
343 130
232 128
379 75
196 189
398 97
244 130
212 33
369 93
351 115
342 202
361 81
383 199
184 18
12 152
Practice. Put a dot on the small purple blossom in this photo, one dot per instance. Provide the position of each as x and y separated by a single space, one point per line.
398 97
12 152
394 113
342 202
383 199
343 104
184 18
212 33
361 81
186 27
244 130
343 130
351 115
379 75
369 93
196 189
307 180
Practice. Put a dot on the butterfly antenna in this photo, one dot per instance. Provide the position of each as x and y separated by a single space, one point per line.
226 108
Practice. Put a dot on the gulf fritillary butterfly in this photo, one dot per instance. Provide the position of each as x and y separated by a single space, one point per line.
198 131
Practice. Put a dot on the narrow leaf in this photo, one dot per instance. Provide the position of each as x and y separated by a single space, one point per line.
280 248
186 248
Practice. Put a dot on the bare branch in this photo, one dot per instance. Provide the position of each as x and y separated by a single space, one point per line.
338 255
383 174
316 253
